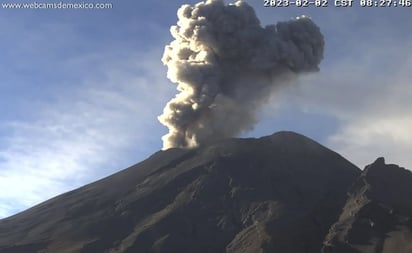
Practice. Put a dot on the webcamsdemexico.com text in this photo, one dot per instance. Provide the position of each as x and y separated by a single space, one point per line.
57 5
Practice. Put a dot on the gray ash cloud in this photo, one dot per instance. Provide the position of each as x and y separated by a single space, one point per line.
226 66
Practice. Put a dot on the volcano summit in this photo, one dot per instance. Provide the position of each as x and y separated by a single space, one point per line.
280 193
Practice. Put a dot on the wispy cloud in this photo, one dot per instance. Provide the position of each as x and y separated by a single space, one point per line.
88 133
382 126
359 104
94 112
80 100
369 95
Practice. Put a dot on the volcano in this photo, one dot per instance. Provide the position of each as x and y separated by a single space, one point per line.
280 193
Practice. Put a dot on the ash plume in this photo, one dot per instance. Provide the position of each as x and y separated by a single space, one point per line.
226 66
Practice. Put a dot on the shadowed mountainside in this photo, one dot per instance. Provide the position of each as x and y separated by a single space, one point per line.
279 193
377 216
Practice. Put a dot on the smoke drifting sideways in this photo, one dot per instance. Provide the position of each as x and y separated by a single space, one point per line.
226 66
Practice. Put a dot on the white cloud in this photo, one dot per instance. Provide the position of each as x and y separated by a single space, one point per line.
363 140
363 92
90 129
82 102
382 127
86 134
369 93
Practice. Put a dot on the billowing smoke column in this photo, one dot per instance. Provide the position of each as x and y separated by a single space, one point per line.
227 65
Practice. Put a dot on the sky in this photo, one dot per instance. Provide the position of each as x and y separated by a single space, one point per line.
80 91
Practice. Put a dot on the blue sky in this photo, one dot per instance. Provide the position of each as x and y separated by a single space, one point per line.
81 91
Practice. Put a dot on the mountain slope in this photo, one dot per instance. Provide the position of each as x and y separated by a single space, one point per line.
377 217
279 193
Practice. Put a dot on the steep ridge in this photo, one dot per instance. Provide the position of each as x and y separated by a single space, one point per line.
279 193
377 217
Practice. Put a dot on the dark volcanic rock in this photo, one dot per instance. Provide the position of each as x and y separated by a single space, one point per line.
377 217
279 193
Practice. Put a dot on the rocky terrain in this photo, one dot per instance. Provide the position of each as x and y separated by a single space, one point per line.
377 217
281 193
